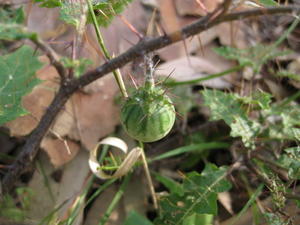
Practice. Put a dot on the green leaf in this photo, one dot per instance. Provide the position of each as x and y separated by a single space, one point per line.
17 78
199 219
294 170
136 219
11 24
106 10
286 126
228 107
291 161
71 12
172 185
274 219
293 152
79 65
289 74
200 196
49 3
268 2
260 98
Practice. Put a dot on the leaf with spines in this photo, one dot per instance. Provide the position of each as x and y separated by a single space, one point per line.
231 108
72 13
291 161
106 10
287 124
200 196
17 78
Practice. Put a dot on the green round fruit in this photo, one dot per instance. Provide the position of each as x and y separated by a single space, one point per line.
148 115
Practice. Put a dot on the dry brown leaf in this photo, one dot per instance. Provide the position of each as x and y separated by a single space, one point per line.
194 7
278 91
294 67
193 44
60 151
168 16
51 194
231 34
89 117
209 54
191 68
225 199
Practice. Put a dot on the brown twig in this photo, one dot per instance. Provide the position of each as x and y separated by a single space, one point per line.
31 147
53 57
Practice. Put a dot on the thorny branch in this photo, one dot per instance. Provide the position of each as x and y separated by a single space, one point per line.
53 57
31 147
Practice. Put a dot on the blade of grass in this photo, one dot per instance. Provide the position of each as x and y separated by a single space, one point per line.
79 204
49 217
99 190
115 200
248 204
190 148
46 180
289 99
209 77
287 32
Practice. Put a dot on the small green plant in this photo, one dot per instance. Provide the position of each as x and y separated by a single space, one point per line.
9 208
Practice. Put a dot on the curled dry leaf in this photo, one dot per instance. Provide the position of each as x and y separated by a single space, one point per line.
60 151
184 69
125 166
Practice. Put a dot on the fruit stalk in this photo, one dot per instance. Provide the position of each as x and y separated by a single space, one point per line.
148 176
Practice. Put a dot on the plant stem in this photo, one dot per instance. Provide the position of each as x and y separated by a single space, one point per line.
289 99
287 32
148 176
100 39
115 200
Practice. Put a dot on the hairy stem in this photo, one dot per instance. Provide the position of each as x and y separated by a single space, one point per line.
116 73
